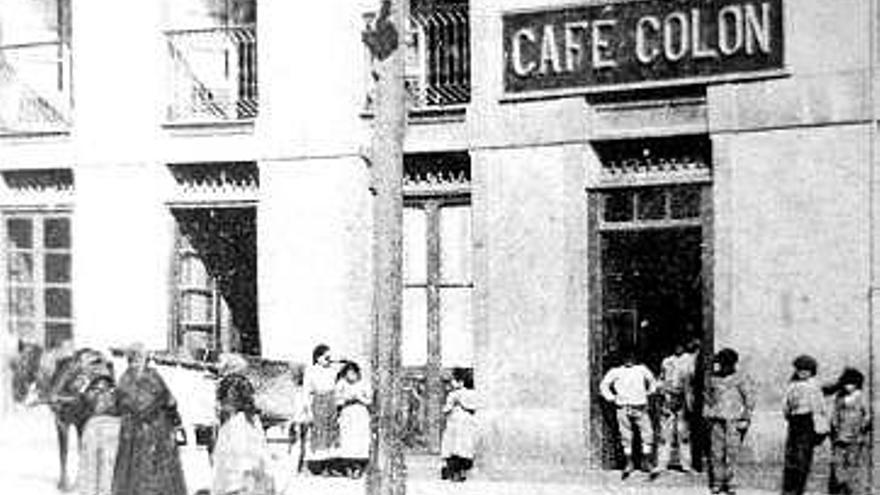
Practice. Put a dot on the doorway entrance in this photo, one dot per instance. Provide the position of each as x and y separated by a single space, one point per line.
215 281
652 291
651 285
438 287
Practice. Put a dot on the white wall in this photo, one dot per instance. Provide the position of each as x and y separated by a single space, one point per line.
791 259
122 240
314 258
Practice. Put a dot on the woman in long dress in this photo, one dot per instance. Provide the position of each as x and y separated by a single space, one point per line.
241 456
148 461
319 382
353 398
100 440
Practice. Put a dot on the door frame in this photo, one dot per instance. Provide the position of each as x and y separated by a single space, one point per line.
223 325
433 374
596 340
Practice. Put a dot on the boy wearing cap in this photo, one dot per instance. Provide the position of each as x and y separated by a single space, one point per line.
807 418
627 387
727 408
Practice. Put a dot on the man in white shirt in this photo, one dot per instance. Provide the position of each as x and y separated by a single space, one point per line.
628 387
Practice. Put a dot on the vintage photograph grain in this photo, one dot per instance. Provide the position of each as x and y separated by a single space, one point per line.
439 247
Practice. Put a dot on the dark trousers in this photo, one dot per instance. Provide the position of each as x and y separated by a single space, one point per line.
336 466
848 469
799 446
724 445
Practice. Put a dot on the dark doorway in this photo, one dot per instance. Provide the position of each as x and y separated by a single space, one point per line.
215 281
652 299
650 260
652 294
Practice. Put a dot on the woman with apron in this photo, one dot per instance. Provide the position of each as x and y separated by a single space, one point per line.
319 382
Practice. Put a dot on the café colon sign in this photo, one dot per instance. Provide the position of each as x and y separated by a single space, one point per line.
622 44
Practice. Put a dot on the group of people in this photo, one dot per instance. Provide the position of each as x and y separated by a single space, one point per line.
130 442
629 387
847 424
339 401
338 409
128 445
130 439
728 402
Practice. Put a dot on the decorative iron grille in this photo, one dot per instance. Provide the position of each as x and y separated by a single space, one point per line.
213 74
35 94
437 55
667 159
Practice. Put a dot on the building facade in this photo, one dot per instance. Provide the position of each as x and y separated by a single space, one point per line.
194 175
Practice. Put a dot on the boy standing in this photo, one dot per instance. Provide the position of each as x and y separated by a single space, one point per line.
729 402
677 375
850 435
628 386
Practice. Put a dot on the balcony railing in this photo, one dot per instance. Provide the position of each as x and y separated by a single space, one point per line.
213 74
438 72
35 94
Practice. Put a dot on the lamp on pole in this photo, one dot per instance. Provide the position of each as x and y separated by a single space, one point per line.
387 475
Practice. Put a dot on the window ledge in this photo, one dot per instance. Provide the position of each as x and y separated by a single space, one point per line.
431 115
209 127
34 134
608 181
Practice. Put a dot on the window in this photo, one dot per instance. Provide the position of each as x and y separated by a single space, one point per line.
437 260
437 329
38 275
438 288
35 84
652 205
215 281
437 55
212 58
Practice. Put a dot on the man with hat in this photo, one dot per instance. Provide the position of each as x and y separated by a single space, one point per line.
727 408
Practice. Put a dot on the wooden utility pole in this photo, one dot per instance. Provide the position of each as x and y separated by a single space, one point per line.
387 474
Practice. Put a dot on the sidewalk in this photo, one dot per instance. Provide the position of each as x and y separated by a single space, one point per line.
29 466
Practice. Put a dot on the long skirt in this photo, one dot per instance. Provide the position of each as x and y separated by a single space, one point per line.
460 435
799 445
241 459
148 460
847 469
354 432
97 457
324 436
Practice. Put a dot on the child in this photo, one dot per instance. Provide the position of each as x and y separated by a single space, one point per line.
241 457
353 398
459 438
850 426
628 386
805 412
727 408
100 439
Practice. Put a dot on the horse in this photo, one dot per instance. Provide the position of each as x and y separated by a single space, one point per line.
59 379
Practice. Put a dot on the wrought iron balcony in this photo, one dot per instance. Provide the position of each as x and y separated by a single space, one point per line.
35 94
213 75
437 51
